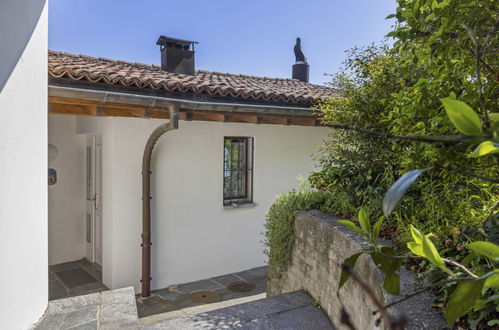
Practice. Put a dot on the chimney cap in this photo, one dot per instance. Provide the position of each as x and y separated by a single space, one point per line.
163 40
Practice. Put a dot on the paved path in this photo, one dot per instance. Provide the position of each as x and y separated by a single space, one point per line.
116 309
284 312
219 288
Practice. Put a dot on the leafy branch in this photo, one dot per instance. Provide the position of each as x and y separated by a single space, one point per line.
478 54
469 288
423 290
446 139
466 173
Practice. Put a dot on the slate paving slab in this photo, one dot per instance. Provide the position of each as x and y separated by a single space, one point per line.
66 320
169 295
307 317
75 303
110 310
260 271
74 278
199 285
64 266
92 325
87 289
52 277
177 297
225 280
57 290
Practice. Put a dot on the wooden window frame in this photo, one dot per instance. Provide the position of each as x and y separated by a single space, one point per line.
243 192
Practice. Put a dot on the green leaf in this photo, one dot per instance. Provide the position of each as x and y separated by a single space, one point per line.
486 249
392 278
493 322
431 253
398 190
417 249
462 299
423 246
485 148
492 281
351 262
494 116
364 220
390 267
377 227
463 117
494 128
416 235
352 226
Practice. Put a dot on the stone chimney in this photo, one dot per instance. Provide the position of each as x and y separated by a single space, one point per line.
177 55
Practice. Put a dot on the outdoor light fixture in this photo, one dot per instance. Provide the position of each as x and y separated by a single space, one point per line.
52 152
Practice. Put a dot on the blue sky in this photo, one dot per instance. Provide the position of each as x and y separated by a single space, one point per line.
254 37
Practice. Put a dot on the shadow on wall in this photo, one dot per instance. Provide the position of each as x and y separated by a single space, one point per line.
26 11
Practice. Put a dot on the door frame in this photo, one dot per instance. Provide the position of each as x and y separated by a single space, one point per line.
93 199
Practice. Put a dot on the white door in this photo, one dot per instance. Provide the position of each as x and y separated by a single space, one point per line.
93 199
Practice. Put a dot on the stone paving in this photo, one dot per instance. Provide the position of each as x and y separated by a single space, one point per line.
108 310
156 318
289 311
74 278
178 297
116 309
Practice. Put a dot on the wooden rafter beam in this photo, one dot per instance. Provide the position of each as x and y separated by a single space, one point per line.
83 107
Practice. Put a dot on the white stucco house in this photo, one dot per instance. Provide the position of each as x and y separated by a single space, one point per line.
240 141
233 142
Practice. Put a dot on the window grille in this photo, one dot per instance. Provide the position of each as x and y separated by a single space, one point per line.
238 170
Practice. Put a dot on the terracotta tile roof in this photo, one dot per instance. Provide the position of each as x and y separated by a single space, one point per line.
113 72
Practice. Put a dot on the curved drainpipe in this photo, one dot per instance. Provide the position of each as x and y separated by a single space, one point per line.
146 196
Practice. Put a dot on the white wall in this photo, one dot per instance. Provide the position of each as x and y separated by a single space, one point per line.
23 162
194 237
66 199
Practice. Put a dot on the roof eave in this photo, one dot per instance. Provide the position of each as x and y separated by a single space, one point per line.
57 90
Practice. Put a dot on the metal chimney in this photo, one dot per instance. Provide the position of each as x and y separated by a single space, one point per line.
177 55
300 68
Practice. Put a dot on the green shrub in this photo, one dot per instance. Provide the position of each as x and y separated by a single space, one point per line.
279 225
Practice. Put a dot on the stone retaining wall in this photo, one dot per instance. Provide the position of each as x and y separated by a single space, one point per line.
321 244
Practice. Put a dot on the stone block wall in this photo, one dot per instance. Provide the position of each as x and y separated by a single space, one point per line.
321 245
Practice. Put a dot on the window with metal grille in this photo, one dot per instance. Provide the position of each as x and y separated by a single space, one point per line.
238 170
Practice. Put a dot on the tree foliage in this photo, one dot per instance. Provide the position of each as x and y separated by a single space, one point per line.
398 90
424 109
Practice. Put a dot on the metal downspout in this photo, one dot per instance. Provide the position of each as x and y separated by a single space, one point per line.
146 196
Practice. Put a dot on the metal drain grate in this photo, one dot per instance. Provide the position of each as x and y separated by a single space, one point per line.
203 296
241 286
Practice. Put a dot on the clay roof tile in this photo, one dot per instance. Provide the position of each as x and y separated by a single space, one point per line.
84 67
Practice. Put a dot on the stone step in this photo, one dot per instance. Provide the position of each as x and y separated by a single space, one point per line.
198 309
294 310
114 309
